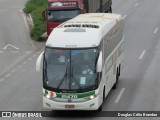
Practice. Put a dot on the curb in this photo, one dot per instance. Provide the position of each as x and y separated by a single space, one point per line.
31 24
44 35
30 20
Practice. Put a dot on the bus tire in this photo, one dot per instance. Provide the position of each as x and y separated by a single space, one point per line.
106 11
100 108
119 71
117 77
110 10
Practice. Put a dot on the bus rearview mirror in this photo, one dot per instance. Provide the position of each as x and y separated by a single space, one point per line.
39 62
44 15
99 63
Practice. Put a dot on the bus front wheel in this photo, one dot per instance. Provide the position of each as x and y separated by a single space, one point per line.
117 78
119 71
110 10
100 108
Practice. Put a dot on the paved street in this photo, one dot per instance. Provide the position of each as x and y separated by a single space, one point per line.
138 88
15 42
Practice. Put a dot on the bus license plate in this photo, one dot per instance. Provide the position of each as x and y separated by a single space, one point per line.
69 106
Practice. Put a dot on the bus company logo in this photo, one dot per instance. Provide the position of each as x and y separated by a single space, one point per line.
6 114
69 100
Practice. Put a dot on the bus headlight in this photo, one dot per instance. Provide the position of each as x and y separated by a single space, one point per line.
49 95
91 97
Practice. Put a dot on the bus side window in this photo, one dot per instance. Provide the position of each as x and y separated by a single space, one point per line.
108 65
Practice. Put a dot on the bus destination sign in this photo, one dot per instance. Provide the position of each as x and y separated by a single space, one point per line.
63 4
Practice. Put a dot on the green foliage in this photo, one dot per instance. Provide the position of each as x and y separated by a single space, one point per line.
35 8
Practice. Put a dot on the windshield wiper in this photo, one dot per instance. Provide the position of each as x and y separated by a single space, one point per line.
45 70
74 78
64 78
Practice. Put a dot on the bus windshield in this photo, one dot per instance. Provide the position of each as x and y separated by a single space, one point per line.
61 15
70 70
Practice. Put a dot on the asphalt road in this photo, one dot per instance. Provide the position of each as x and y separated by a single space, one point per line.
14 37
138 89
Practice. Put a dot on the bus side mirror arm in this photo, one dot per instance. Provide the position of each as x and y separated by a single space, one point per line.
39 62
99 63
44 13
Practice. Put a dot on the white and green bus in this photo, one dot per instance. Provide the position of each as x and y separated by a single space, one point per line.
82 62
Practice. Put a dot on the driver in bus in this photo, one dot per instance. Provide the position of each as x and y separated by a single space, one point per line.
50 16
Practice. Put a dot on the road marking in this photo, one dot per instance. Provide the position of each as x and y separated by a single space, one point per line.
30 59
24 62
7 75
136 4
124 16
156 30
2 79
119 95
14 70
19 66
5 47
23 70
9 67
142 54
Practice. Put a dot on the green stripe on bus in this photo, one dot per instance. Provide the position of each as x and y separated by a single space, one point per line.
74 95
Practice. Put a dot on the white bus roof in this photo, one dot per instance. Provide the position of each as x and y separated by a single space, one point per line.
85 30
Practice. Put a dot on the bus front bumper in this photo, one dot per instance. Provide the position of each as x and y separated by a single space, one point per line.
87 105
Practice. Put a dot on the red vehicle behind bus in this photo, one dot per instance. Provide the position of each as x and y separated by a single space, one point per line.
59 11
